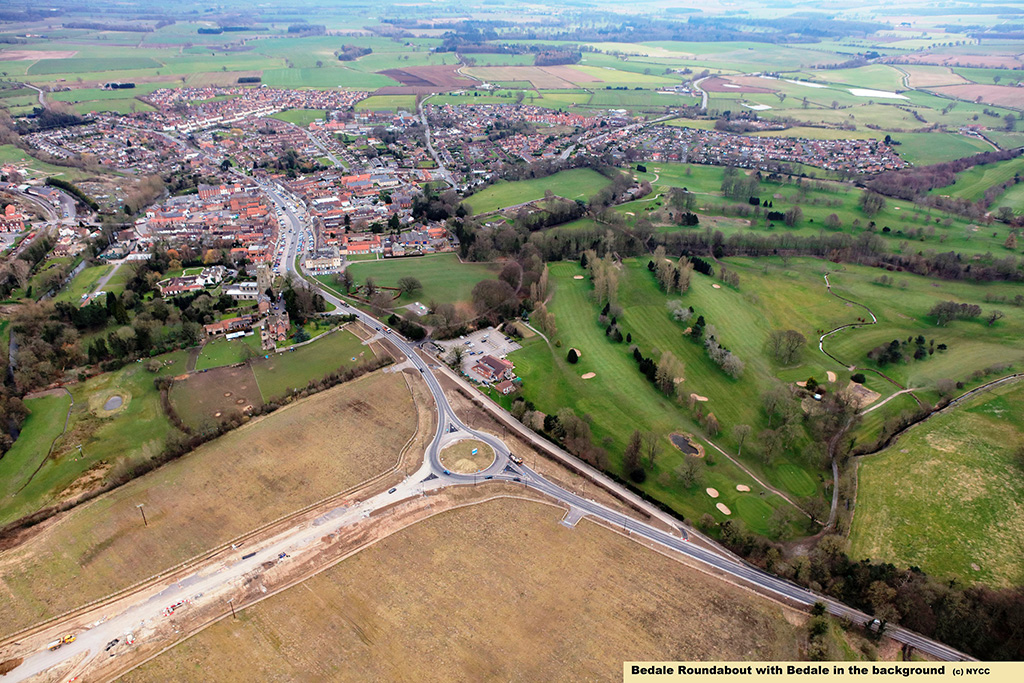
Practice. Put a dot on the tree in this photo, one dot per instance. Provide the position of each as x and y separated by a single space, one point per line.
740 432
689 471
650 448
409 285
572 356
871 203
993 316
793 216
455 357
832 221
771 444
1011 241
785 345
631 463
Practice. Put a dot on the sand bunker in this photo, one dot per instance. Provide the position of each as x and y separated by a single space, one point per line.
723 509
712 492
717 286
831 376
578 353
589 375
742 487
577 277
698 397
801 384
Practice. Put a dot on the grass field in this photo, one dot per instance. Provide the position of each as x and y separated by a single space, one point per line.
33 168
578 183
395 597
289 370
220 352
946 496
83 283
387 103
444 278
300 117
138 430
44 424
265 469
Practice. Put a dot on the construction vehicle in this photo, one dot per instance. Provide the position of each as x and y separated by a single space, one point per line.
64 640
515 458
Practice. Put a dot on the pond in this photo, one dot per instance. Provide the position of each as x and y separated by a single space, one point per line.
683 444
113 403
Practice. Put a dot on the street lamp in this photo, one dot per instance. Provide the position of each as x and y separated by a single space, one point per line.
143 513
233 615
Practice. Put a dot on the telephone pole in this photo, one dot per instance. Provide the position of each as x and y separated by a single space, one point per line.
143 513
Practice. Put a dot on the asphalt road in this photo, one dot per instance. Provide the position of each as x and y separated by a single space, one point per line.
430 476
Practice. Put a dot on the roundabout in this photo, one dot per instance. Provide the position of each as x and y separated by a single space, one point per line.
467 456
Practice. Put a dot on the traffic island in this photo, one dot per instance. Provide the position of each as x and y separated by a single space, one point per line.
468 456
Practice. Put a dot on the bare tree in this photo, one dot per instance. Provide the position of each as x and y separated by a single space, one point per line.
740 433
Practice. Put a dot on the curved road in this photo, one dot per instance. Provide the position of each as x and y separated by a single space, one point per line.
430 476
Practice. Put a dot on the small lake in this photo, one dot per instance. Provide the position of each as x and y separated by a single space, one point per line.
113 403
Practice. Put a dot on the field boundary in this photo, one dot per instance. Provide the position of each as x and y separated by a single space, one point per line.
208 554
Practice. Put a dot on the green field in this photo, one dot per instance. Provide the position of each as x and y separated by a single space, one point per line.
578 183
289 370
221 352
83 283
33 168
946 496
44 424
387 103
444 278
301 117
136 431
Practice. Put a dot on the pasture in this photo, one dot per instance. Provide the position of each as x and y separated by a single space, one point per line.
387 592
266 469
946 496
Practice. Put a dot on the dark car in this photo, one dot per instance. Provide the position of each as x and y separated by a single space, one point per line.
112 643
393 489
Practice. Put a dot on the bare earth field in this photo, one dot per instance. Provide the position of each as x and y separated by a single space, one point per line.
540 78
492 591
438 77
272 466
32 55
716 84
929 77
1001 95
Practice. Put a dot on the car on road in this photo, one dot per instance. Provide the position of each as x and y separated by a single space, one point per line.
111 644
392 489
515 458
